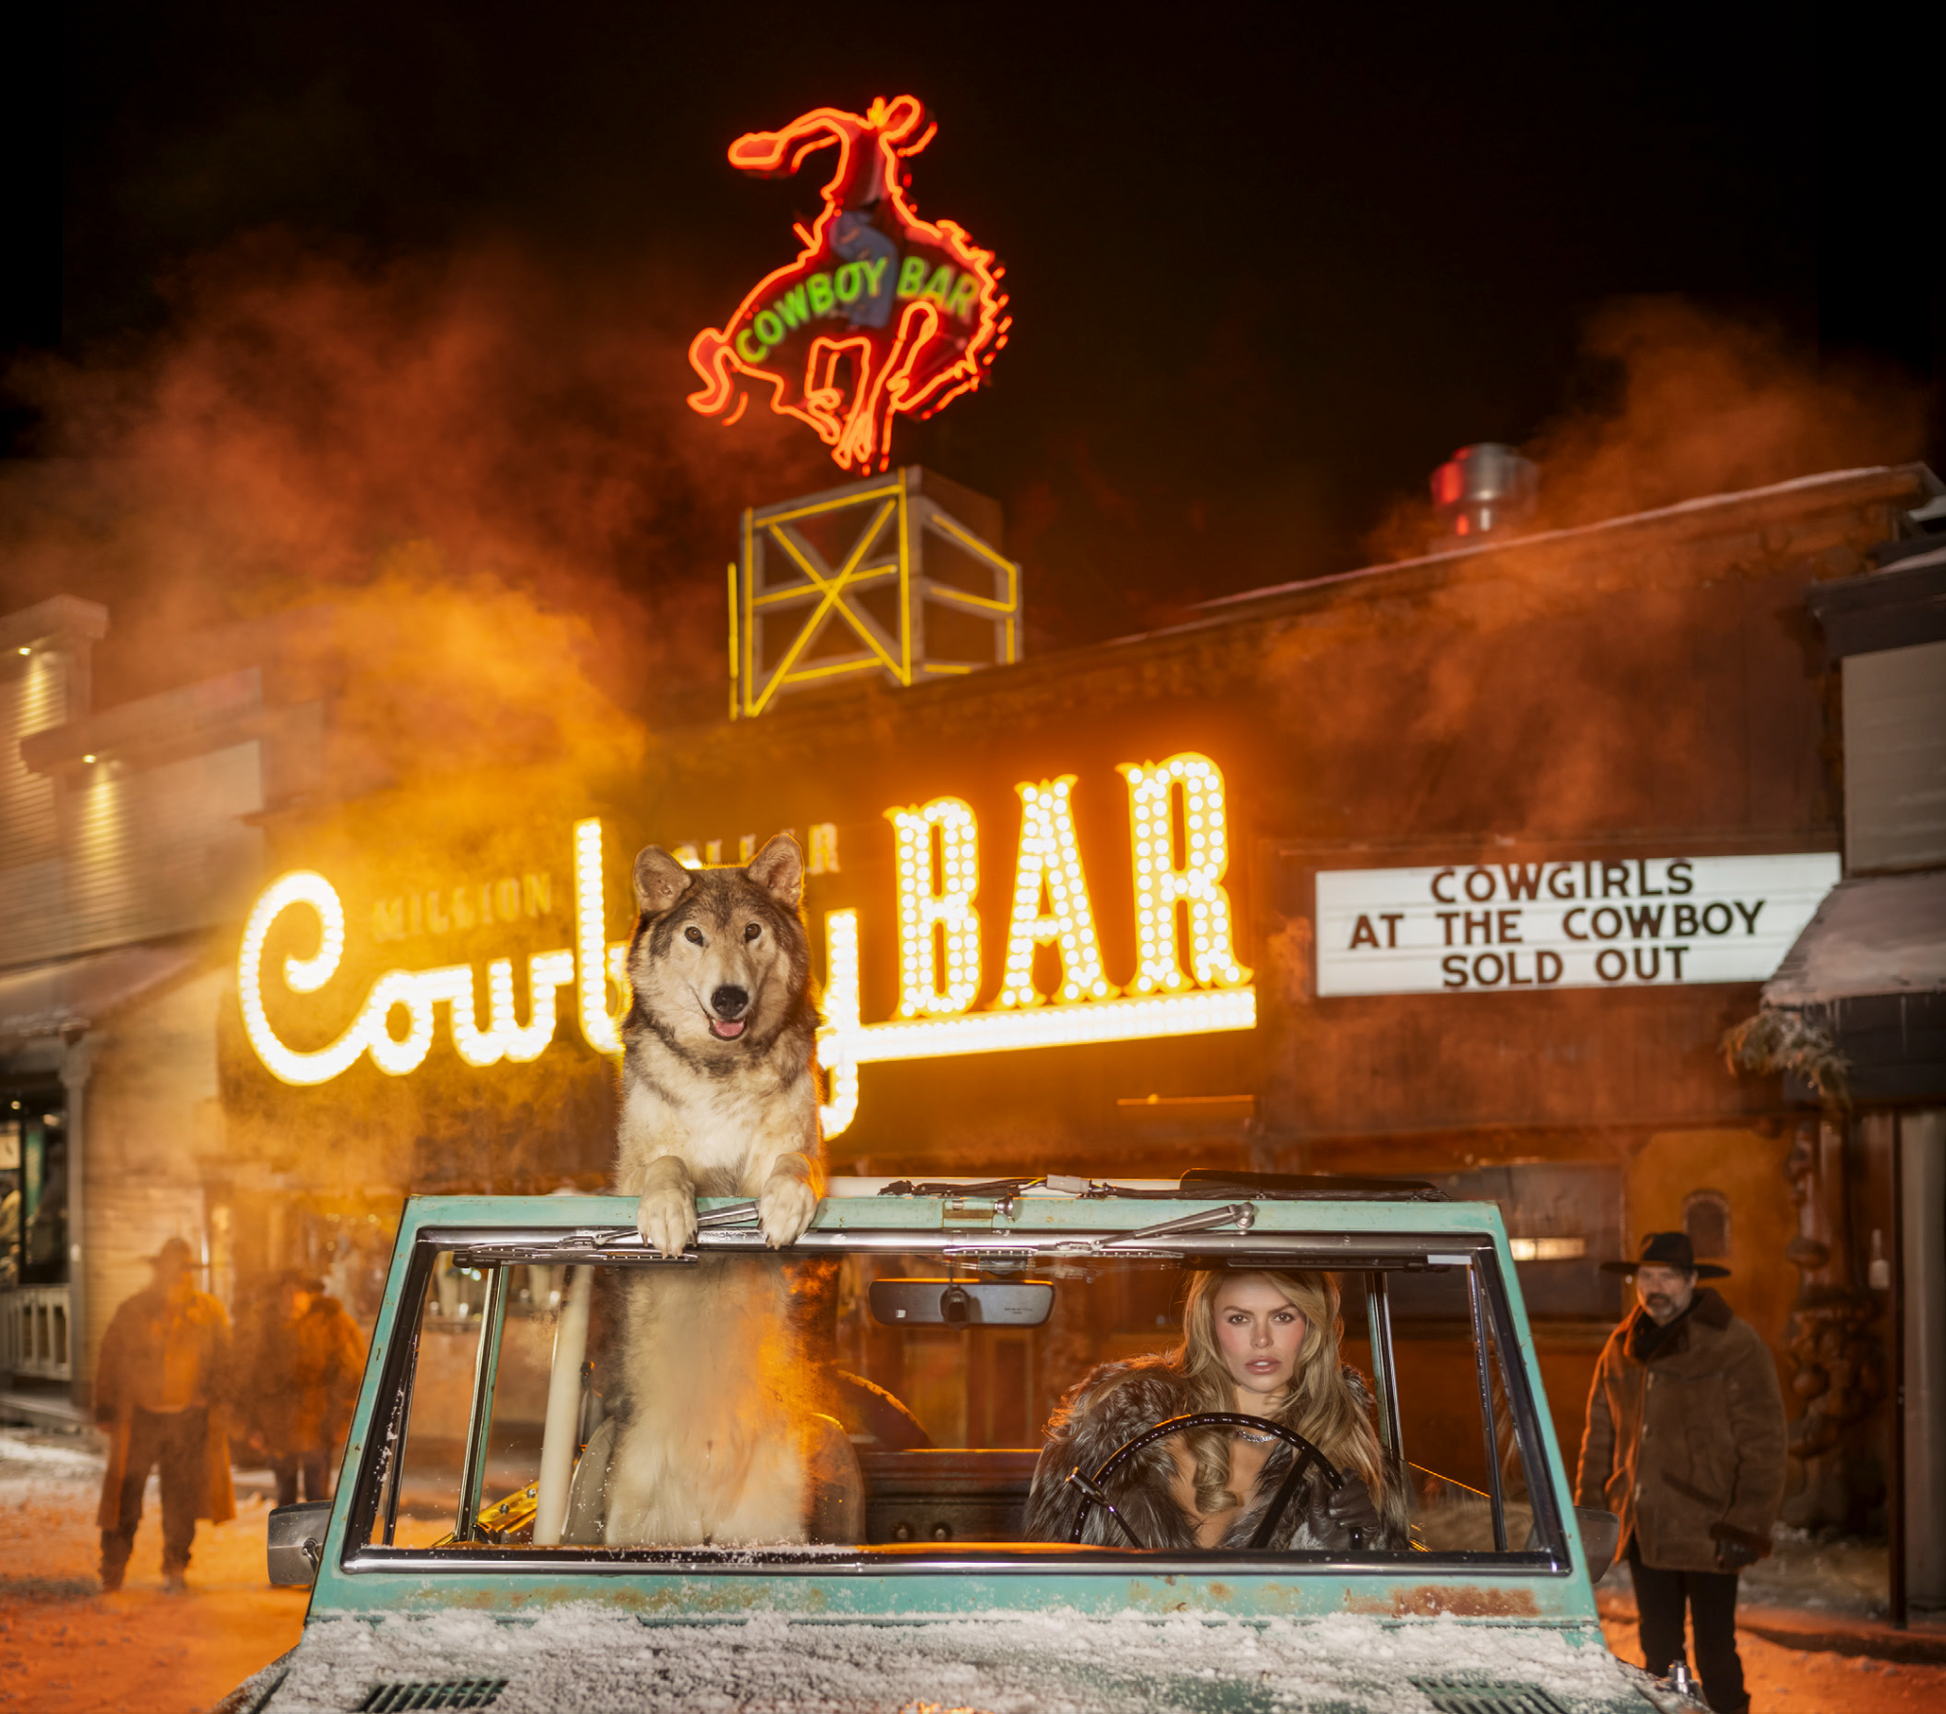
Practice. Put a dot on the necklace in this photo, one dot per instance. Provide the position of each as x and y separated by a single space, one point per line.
1254 1439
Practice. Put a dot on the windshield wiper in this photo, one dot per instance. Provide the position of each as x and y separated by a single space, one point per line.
1240 1214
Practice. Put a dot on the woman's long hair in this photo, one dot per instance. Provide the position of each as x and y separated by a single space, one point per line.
1321 1404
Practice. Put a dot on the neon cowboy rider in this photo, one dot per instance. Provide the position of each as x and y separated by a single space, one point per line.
855 235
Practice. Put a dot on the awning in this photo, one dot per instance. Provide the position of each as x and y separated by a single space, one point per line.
1876 935
74 993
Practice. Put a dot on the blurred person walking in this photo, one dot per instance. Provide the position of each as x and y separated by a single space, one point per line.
1685 1443
306 1362
161 1392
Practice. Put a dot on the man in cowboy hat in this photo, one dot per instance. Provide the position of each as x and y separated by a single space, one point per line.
297 1395
1685 1444
160 1391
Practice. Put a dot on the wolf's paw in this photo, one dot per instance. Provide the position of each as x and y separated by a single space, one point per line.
785 1209
667 1220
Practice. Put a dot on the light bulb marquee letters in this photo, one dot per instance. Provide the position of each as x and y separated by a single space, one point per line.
1050 863
881 315
1187 979
937 922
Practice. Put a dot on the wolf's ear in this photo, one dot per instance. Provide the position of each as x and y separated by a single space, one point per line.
779 869
659 881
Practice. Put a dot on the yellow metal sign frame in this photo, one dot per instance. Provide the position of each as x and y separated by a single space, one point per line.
782 582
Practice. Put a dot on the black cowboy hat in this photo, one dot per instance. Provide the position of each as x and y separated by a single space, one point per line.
1668 1250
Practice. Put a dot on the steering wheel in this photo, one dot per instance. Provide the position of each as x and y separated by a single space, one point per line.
1094 1493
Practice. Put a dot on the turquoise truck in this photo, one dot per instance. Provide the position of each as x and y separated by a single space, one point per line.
468 1559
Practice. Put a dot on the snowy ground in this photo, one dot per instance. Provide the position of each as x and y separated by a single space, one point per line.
63 1646
1839 1576
1793 1681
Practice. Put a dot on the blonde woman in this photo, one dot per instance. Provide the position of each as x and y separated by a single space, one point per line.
1262 1345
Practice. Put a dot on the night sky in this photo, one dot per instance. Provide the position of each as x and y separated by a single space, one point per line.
1269 264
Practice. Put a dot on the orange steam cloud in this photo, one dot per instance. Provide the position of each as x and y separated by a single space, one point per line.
1534 697
1696 404
471 481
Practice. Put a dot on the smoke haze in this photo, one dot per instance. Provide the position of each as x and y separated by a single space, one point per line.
1494 700
472 490
477 477
1687 404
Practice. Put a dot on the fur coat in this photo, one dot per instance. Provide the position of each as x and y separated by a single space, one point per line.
1112 1405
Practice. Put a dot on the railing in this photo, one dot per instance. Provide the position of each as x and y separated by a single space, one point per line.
34 1332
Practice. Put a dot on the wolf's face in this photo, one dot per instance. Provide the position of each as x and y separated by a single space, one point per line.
720 963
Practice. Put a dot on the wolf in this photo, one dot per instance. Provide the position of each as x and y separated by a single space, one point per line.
719 1085
719 1098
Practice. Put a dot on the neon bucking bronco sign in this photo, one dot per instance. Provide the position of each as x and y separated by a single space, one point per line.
881 315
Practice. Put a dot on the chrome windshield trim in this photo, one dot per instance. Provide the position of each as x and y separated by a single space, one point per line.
1003 1250
1034 1559
1318 1248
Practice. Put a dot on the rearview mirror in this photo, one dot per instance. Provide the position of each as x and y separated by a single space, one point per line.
961 1303
295 1543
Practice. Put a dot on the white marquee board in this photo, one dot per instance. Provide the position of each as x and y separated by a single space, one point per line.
1581 923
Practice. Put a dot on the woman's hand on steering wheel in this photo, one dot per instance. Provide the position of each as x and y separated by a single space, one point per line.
1351 1508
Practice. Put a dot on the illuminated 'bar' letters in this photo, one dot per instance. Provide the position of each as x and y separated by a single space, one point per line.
1050 862
938 925
1166 876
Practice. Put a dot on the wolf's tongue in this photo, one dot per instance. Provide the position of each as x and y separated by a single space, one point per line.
728 1028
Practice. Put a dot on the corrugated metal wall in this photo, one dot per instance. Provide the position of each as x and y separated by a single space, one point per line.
33 697
132 832
116 851
155 851
1895 759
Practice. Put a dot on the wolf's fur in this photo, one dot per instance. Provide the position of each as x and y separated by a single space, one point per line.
701 1114
713 1446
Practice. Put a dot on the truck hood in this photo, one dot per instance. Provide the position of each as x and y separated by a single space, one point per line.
590 1659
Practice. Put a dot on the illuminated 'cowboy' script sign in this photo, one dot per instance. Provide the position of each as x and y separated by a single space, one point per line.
882 314
1186 978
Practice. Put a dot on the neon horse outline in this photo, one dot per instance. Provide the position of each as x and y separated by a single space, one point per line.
904 358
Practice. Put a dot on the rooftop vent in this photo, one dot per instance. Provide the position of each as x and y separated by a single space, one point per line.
1485 490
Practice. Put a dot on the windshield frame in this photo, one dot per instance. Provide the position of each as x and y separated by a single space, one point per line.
1122 1229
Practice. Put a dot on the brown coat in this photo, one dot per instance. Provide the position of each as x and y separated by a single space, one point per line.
134 1370
304 1379
1687 1447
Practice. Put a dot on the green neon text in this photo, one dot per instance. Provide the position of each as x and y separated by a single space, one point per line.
819 295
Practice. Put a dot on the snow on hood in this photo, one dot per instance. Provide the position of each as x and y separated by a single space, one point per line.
591 1660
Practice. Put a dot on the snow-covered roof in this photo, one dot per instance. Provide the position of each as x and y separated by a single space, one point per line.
1874 934
72 993
1500 543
